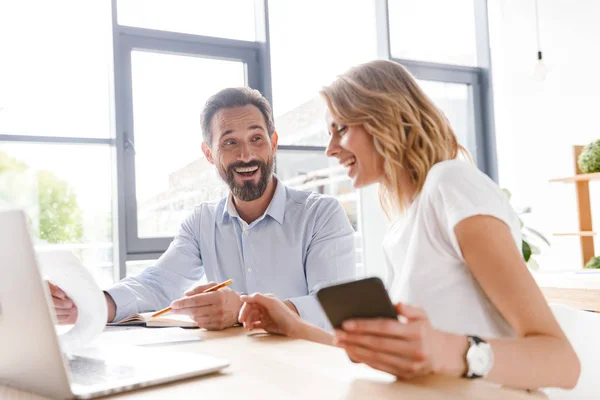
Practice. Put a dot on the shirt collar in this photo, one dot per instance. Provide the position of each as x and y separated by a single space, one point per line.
276 209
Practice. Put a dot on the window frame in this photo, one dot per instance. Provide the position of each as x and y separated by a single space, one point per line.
256 55
159 42
478 78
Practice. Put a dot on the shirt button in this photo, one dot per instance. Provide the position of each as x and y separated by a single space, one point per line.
246 233
249 269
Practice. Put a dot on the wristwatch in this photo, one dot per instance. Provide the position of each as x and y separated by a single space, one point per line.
479 357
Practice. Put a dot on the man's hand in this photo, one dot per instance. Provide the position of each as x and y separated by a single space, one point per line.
214 311
66 311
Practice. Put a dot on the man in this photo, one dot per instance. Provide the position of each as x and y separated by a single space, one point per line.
264 235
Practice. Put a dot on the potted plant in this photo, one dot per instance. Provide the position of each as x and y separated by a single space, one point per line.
529 238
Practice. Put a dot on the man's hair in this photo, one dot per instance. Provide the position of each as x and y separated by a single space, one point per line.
230 98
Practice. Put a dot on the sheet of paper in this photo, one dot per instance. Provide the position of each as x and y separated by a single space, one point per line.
139 336
66 271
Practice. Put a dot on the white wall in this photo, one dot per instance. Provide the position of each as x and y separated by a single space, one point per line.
538 122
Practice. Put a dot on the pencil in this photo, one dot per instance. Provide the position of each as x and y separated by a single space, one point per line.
210 289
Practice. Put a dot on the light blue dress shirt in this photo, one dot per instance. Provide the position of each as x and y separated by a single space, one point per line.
304 241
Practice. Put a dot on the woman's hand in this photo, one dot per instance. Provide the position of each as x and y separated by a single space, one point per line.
265 311
406 349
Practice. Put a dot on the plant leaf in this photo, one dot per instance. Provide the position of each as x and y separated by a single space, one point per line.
526 250
524 210
533 265
538 234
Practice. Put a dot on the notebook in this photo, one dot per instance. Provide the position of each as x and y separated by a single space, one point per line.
146 319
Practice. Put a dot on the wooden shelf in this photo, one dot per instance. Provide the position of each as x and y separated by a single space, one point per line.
578 178
584 207
583 233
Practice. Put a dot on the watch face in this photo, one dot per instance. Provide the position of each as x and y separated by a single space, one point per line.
480 359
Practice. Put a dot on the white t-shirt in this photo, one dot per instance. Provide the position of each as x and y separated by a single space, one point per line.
424 258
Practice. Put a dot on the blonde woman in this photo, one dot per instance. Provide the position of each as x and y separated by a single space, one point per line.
468 304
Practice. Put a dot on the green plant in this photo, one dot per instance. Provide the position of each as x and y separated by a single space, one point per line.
59 218
589 159
528 237
594 263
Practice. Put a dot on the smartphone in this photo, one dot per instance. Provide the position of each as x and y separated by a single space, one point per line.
365 298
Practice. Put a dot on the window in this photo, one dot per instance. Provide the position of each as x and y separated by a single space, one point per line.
56 158
166 82
339 37
172 175
303 60
433 30
54 82
61 79
232 19
456 102
315 172
65 191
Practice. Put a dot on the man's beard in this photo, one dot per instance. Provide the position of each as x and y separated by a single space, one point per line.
248 190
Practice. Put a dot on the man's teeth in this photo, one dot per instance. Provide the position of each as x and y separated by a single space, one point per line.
349 162
247 169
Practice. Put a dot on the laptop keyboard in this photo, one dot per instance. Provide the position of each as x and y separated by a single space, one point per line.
93 371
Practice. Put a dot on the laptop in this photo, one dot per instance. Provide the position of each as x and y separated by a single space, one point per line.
31 356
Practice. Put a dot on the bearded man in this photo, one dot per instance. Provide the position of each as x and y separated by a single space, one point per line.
264 236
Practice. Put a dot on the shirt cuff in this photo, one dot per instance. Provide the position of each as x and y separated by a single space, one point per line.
124 299
311 311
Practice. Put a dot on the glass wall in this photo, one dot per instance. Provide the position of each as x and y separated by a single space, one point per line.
99 117
56 153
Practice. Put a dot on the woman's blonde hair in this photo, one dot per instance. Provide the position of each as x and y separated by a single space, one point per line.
408 130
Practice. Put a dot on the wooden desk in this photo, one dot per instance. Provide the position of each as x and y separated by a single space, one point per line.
583 299
578 290
275 367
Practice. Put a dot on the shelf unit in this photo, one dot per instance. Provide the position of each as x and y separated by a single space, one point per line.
576 234
584 210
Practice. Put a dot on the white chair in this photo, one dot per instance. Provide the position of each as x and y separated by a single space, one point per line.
583 330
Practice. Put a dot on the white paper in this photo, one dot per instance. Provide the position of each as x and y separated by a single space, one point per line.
66 271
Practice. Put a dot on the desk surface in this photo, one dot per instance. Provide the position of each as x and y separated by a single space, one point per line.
275 367
575 289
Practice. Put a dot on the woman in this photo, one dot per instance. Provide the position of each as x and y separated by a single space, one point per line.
468 305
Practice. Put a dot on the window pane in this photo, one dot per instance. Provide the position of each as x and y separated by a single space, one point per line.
455 100
303 60
172 175
315 172
232 19
54 68
433 30
66 192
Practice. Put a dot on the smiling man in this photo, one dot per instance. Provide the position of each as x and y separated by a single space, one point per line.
264 236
